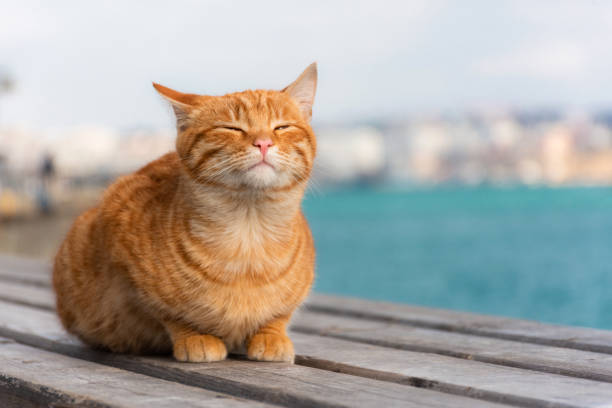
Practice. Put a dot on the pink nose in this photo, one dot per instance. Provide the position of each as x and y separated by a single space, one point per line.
263 145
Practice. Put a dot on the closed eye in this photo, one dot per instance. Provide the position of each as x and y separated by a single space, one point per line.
235 129
281 127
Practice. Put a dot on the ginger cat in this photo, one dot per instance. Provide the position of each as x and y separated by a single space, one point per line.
205 249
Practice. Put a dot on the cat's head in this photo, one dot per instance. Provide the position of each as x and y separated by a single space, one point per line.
258 139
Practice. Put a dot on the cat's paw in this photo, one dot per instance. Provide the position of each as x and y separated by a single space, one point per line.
199 348
271 347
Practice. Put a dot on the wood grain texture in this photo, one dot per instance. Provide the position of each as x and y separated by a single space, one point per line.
371 340
38 273
580 338
441 373
45 378
31 271
556 360
277 383
549 359
28 295
479 380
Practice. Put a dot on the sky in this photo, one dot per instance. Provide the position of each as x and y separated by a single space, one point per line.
83 63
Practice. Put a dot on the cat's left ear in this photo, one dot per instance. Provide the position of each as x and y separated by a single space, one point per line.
182 103
303 90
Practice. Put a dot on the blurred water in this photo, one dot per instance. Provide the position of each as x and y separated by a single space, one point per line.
543 254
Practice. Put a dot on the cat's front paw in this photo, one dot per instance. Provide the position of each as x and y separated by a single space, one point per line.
271 347
199 348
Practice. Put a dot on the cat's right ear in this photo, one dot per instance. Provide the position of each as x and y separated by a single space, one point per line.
182 103
303 89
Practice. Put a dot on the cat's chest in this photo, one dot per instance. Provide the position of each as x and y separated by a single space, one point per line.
247 276
236 312
255 304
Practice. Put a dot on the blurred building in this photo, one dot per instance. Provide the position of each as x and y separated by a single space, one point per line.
350 154
534 148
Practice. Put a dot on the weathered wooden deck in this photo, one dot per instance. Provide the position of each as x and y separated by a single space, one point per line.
350 353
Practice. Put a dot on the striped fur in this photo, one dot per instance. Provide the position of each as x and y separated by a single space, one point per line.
201 251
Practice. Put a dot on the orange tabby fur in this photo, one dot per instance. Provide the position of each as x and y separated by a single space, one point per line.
206 249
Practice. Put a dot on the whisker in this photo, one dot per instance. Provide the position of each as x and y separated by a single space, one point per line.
314 187
219 168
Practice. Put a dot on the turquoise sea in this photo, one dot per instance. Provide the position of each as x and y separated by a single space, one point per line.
543 254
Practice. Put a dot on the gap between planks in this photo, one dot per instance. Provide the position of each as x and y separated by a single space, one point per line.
37 273
281 384
34 377
546 394
504 328
569 362
328 330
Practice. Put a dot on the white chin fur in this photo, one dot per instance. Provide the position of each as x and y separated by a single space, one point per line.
261 176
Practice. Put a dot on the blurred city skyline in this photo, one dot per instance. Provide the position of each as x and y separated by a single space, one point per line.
545 148
78 63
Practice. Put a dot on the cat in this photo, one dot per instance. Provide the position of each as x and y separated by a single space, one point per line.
204 250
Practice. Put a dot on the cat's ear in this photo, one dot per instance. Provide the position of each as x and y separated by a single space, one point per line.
303 90
182 103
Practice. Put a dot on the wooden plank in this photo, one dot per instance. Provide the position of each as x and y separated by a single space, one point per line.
555 360
19 276
45 378
35 296
441 373
580 338
447 374
38 273
278 383
26 270
568 362
549 359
